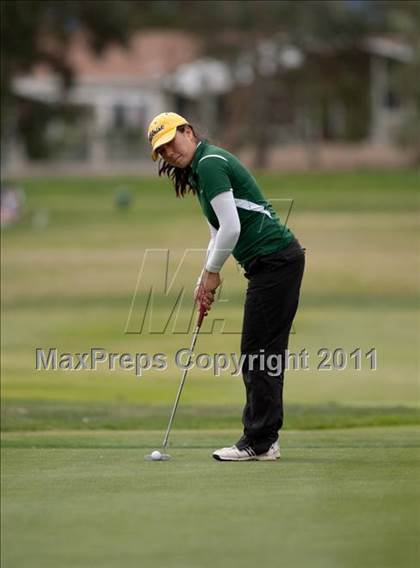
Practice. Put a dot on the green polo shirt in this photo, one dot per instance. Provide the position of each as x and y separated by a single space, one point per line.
214 171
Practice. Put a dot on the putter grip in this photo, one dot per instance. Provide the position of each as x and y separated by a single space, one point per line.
201 315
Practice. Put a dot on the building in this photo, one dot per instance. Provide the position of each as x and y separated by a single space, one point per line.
307 95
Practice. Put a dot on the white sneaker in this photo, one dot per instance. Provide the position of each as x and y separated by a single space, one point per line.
233 454
247 454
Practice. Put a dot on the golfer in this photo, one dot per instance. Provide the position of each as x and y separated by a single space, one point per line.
244 224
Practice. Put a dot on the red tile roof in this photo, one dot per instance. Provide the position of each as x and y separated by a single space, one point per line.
151 53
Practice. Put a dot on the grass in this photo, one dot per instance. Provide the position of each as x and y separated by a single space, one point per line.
43 416
71 285
336 498
75 488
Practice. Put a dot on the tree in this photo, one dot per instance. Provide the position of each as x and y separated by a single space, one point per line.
35 31
404 18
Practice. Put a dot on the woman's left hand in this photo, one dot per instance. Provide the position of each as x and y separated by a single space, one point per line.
210 281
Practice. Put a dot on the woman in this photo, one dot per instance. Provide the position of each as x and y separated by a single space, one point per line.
244 224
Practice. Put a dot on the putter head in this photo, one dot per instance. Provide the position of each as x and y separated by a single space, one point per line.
157 456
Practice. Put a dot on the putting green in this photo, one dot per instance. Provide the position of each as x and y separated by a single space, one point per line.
76 491
345 498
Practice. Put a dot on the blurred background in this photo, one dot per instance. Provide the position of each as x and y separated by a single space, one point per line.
320 99
286 84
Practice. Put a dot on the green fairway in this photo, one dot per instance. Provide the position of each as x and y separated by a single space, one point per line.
71 285
344 498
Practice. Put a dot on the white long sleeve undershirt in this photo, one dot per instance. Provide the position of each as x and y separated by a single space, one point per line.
213 233
223 240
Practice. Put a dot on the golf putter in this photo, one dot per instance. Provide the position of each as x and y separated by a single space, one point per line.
163 456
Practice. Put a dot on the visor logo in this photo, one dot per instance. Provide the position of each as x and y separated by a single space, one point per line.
155 131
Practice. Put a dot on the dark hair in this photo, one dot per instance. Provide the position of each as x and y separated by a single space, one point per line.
179 176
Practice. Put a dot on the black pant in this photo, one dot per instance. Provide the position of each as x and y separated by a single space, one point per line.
271 302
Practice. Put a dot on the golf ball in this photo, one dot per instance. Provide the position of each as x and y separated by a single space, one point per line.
156 455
